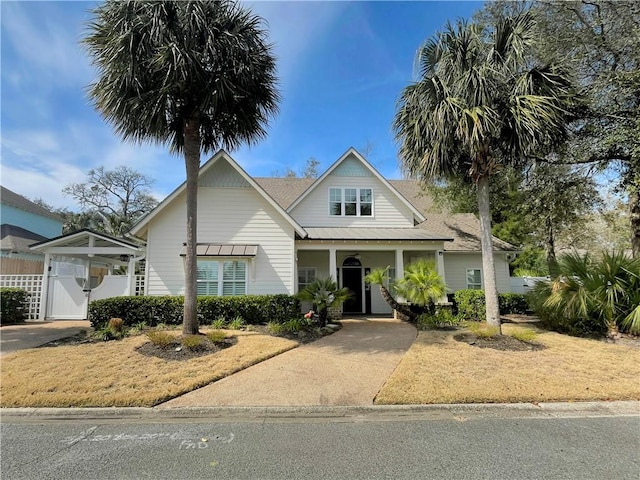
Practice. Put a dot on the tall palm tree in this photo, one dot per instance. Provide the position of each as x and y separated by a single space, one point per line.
194 75
479 105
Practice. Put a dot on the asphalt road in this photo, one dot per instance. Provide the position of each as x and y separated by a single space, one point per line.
390 446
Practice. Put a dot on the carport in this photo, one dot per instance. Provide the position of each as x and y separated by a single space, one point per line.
68 294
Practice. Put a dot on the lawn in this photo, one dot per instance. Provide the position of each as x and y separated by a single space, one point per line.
439 369
115 374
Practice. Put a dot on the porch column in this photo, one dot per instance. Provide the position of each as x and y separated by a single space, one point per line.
131 275
399 268
399 263
332 264
44 289
440 270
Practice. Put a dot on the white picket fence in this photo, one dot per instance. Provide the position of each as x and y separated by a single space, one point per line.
32 284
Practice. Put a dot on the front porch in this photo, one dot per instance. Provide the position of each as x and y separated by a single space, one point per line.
348 262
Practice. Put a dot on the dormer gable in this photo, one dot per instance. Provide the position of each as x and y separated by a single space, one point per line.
352 193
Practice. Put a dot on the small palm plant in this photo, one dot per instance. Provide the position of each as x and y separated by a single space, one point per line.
324 293
605 291
421 285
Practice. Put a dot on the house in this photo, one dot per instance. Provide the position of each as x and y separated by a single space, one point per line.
276 235
24 223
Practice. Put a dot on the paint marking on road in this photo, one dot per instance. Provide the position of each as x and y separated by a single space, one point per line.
187 441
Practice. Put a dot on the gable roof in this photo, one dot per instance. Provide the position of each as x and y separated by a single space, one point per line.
12 199
221 154
353 152
78 237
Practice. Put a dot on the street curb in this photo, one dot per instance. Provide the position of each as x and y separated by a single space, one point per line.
337 413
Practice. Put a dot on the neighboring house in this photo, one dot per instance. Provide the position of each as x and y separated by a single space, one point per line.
24 223
276 235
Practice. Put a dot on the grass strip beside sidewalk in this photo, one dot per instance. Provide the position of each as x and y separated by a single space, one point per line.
439 369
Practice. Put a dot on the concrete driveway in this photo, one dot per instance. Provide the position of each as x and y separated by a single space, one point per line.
34 334
346 368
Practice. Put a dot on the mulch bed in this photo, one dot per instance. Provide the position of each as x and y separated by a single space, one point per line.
499 342
176 351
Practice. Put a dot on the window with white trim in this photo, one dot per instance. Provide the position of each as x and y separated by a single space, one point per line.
232 272
474 279
351 202
306 276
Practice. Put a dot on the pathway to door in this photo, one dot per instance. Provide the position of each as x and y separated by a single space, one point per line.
33 334
346 368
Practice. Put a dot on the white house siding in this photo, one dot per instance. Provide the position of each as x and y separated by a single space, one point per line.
225 215
388 210
456 264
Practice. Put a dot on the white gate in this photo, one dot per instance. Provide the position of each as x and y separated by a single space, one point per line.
69 300
66 300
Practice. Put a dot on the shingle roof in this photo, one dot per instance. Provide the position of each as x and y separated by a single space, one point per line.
8 197
463 228
284 190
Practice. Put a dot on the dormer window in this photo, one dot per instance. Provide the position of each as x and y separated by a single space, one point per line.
351 202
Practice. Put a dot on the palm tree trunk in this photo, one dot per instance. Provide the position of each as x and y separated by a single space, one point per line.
634 218
192 163
404 313
486 241
550 246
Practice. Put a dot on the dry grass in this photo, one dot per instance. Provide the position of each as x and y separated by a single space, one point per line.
115 374
439 369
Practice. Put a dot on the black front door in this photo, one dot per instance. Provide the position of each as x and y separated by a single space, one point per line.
352 279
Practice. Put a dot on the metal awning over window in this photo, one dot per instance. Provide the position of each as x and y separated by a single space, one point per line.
219 250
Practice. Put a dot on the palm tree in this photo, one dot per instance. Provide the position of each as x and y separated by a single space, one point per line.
194 75
480 105
380 277
324 293
421 284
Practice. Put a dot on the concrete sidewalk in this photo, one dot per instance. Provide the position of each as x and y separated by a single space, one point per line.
347 368
33 334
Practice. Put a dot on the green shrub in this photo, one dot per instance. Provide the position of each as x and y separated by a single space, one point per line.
515 303
216 336
13 305
152 310
483 330
237 323
160 338
219 323
471 304
442 318
191 342
275 328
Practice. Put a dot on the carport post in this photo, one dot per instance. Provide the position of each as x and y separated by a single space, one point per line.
44 290
131 270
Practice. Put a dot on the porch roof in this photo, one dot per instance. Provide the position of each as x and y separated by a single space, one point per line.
350 233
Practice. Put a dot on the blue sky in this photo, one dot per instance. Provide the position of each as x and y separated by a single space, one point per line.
341 66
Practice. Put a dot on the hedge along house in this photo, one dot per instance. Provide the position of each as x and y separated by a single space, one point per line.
276 235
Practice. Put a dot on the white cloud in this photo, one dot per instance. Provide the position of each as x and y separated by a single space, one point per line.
46 43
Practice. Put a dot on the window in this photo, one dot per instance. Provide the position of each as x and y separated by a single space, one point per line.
306 276
351 202
474 278
335 201
207 283
232 272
